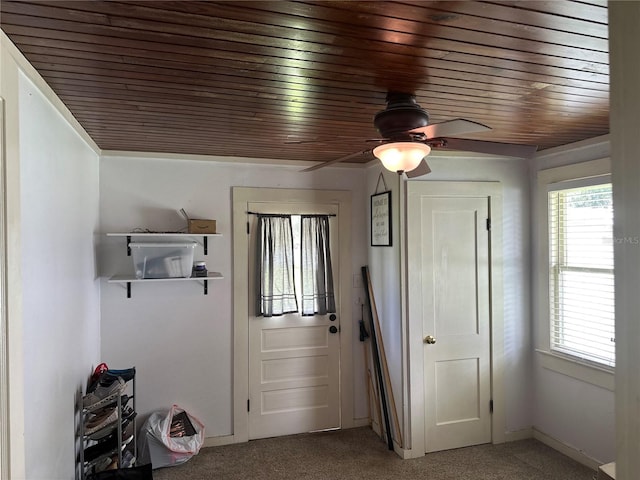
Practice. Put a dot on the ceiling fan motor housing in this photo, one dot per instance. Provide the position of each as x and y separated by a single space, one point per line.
401 115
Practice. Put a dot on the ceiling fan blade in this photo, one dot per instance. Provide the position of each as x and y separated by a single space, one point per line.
336 160
421 169
451 128
492 148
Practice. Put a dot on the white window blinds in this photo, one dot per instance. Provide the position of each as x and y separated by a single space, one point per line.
581 291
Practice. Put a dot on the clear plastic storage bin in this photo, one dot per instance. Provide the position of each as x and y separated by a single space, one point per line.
162 260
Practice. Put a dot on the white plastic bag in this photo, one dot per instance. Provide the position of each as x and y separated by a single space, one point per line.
161 449
191 444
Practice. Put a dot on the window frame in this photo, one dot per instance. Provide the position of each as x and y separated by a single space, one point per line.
591 372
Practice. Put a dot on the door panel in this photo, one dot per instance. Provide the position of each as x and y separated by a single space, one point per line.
295 368
465 389
452 252
297 338
294 360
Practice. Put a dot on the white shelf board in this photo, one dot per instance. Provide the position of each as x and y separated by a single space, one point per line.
180 234
133 278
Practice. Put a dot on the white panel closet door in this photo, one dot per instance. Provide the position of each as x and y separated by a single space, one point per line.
449 256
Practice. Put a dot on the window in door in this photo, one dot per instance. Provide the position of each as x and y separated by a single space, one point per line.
294 271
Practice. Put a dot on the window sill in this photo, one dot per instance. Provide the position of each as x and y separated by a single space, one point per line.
601 377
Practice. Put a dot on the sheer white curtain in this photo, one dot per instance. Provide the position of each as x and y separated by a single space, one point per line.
277 292
316 272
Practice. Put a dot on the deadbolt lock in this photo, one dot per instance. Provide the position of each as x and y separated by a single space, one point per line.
429 339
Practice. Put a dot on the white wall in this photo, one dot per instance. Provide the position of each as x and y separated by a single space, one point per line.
57 212
572 412
384 271
385 274
179 339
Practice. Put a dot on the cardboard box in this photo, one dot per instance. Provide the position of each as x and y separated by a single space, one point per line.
201 226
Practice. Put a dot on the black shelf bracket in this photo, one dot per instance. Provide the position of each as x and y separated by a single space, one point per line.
128 289
206 287
205 244
128 247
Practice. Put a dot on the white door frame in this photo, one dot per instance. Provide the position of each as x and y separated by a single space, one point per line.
242 196
4 318
414 374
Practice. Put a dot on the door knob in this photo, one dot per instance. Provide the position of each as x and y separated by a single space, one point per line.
333 329
429 339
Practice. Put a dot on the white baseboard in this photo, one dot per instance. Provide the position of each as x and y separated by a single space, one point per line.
516 435
607 472
217 441
571 452
229 439
361 422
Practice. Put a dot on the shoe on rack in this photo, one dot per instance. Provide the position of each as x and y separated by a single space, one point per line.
126 373
127 459
128 414
108 376
96 451
114 464
99 422
109 436
103 395
102 464
103 367
124 399
103 435
127 432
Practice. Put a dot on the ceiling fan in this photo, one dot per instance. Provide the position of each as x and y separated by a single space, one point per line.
407 138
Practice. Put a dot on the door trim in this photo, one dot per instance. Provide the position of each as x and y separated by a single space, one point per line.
414 375
4 317
242 196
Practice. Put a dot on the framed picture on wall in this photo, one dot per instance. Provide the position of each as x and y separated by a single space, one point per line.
381 219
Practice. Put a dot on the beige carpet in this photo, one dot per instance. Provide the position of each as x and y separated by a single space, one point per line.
360 454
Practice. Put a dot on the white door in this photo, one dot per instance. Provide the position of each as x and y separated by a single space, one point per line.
294 360
449 257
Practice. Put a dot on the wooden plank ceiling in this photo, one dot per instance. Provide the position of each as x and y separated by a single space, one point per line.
303 80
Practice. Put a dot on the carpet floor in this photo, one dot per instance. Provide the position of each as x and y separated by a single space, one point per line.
358 453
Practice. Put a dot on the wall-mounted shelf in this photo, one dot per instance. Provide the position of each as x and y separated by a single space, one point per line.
195 236
129 279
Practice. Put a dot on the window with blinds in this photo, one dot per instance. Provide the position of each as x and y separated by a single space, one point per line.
581 290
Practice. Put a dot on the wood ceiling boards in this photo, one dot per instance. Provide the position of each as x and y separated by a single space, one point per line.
303 80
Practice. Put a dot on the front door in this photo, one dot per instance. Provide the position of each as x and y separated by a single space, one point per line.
294 360
449 257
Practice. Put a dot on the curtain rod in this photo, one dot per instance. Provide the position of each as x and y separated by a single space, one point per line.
289 214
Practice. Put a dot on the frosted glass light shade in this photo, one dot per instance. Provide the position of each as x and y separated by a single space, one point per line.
401 156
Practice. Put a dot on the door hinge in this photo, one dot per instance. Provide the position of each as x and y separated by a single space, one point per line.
247 228
490 406
248 405
489 224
